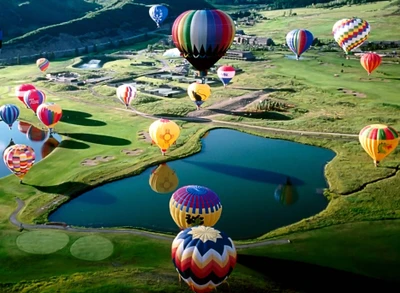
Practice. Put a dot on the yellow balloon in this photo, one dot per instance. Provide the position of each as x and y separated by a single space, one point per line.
378 140
163 179
199 93
164 133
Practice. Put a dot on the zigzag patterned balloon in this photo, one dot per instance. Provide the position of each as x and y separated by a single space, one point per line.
204 257
350 33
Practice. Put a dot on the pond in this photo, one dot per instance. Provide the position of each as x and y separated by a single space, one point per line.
25 133
247 172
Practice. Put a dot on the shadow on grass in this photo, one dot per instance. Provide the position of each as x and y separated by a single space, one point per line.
255 115
68 188
267 90
80 118
306 277
98 139
73 145
248 173
183 118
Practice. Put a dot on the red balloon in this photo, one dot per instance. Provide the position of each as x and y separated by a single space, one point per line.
370 61
21 89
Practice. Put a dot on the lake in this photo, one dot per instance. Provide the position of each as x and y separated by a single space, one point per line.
247 172
25 133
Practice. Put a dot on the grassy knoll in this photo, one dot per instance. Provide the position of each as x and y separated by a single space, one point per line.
380 16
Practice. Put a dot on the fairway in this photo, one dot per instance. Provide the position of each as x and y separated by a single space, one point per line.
42 242
92 248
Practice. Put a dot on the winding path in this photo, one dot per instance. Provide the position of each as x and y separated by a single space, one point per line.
14 220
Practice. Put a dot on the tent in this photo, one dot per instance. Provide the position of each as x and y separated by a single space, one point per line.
172 53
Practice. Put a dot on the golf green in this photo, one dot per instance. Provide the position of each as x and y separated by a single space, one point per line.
92 248
42 242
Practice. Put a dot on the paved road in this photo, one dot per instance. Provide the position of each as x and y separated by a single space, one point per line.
14 220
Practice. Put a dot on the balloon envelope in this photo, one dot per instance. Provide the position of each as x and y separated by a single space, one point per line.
49 146
163 179
226 73
164 133
21 89
23 126
286 194
203 37
299 41
43 64
19 159
158 13
199 92
194 205
34 98
204 257
378 140
49 114
9 113
126 93
370 61
36 134
350 33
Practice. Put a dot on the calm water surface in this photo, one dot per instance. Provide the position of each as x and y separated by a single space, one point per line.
246 172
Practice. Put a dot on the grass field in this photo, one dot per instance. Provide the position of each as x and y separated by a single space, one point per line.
358 232
379 15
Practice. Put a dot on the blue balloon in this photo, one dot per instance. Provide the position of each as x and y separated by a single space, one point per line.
299 41
158 13
9 114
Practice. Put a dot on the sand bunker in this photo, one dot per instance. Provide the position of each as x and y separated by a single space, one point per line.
353 93
95 161
134 152
143 135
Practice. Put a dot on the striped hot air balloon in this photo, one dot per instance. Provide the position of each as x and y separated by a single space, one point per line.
203 257
370 61
226 73
163 179
43 64
194 205
203 37
350 33
164 133
286 193
126 93
9 113
49 114
34 98
378 140
19 159
21 90
299 41
36 135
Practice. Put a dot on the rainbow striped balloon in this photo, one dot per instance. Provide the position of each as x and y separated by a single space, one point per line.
126 93
9 113
299 41
378 140
49 114
19 159
194 205
43 64
203 37
350 33
204 257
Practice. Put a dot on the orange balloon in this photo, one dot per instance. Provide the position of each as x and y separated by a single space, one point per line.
370 61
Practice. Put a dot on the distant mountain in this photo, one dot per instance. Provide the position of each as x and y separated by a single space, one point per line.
100 23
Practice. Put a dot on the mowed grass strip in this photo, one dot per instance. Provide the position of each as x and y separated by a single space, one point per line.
42 242
92 248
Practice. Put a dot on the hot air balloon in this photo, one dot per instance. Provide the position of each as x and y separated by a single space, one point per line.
158 13
9 113
163 179
35 134
199 93
378 140
350 33
286 194
370 61
49 114
43 64
19 159
226 73
203 257
203 37
164 133
126 93
194 205
299 41
8 146
34 98
23 126
49 146
21 90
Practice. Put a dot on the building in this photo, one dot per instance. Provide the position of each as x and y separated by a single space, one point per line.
239 55
253 40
